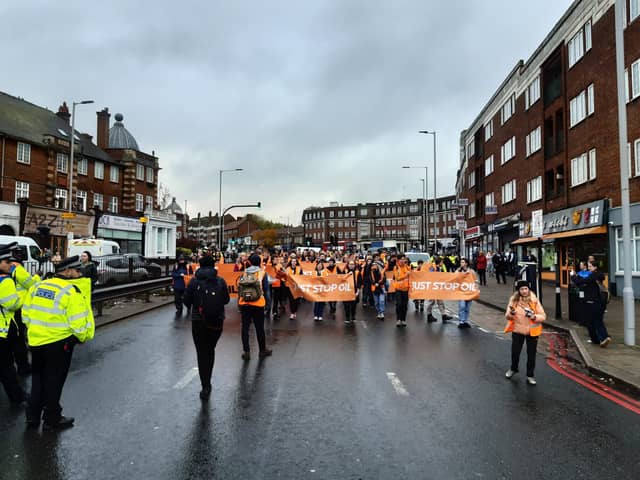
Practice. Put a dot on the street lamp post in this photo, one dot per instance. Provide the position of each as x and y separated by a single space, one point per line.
435 212
425 217
73 132
220 219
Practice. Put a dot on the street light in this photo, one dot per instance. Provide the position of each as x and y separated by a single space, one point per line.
220 219
425 217
73 131
435 213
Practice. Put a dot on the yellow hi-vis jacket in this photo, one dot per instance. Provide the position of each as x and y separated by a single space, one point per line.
23 280
58 308
9 303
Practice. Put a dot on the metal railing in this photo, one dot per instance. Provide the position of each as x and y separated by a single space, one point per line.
119 291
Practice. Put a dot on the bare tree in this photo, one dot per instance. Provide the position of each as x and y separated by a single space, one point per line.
164 195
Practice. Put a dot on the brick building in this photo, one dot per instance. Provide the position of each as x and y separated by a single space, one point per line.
368 224
107 181
547 141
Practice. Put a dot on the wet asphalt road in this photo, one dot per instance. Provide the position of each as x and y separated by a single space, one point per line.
323 407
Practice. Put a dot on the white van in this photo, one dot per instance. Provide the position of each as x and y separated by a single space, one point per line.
97 247
32 258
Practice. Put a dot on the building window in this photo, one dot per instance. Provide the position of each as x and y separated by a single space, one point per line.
534 189
139 202
579 44
471 150
509 192
61 198
149 175
489 200
81 201
534 141
140 172
488 130
508 150
114 174
508 109
635 249
635 80
472 179
149 202
532 93
113 204
62 163
583 168
472 210
22 190
363 212
413 208
98 170
488 166
331 214
24 153
634 10
83 166
98 201
582 105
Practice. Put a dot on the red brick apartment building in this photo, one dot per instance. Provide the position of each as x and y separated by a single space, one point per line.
548 140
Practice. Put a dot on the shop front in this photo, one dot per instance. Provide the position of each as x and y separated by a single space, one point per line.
51 228
473 240
160 234
507 231
569 237
126 231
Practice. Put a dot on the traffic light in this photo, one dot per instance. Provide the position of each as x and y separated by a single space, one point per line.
233 240
307 241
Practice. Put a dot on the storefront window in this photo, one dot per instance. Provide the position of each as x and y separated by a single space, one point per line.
635 249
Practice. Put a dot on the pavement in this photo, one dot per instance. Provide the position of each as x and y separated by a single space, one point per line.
114 311
369 401
618 361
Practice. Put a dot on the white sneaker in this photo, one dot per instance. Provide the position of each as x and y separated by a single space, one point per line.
320 318
510 373
399 323
315 318
531 380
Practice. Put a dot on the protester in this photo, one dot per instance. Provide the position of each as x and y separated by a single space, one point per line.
350 306
178 274
378 283
500 266
293 269
464 305
206 296
251 302
331 269
277 290
525 316
418 304
437 266
367 295
481 268
401 283
318 307
596 305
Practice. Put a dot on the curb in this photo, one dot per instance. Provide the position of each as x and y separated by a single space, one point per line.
133 314
586 358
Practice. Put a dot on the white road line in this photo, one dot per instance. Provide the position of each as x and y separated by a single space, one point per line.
483 330
186 380
364 324
397 384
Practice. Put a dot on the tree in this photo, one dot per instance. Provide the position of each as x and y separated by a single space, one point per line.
263 223
164 195
267 238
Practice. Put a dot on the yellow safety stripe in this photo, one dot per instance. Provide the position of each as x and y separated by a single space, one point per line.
41 308
4 300
48 324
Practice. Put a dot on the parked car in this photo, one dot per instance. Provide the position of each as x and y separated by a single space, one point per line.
413 258
114 269
154 270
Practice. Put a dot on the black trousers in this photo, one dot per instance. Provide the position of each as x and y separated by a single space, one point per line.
255 315
205 340
482 275
367 295
50 366
276 299
501 273
293 302
402 299
350 309
8 376
18 342
178 294
518 341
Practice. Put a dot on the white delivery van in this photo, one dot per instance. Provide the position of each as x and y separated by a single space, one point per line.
31 255
97 247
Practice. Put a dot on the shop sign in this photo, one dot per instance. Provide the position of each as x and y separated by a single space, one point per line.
584 216
506 223
114 222
537 224
473 232
462 202
461 224
491 210
81 225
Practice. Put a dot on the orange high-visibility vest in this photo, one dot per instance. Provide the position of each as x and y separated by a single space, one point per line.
398 272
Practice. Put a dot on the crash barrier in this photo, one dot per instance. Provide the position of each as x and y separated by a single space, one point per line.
111 293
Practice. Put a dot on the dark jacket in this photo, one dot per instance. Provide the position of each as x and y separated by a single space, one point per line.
178 274
207 275
378 280
90 271
590 286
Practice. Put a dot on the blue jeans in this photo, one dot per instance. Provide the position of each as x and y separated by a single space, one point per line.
318 308
463 310
379 300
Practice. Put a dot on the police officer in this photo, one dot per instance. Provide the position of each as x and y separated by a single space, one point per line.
17 331
9 303
58 315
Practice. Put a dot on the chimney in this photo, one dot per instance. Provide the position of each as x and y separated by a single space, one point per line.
63 112
209 213
103 128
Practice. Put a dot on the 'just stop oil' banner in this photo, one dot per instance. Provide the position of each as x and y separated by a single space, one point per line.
443 286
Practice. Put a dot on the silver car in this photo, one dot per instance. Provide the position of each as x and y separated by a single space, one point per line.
114 269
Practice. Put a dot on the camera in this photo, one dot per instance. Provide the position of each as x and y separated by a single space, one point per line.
529 313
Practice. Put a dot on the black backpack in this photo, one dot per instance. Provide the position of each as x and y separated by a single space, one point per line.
208 302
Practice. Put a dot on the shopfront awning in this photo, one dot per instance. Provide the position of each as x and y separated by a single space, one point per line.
522 241
577 233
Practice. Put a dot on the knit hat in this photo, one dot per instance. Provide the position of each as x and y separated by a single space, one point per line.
522 283
207 261
255 260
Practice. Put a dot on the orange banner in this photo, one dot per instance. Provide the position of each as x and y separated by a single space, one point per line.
443 286
332 288
392 287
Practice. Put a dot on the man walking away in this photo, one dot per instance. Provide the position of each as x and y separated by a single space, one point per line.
206 296
251 302
179 286
58 315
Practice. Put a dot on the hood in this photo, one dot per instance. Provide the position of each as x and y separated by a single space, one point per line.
252 269
206 273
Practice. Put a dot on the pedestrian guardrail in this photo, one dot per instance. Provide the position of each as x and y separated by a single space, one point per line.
119 291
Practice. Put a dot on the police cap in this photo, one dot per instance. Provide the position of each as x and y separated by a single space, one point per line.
67 263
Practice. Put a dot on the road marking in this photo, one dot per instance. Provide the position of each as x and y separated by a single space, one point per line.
397 384
364 324
186 380
483 330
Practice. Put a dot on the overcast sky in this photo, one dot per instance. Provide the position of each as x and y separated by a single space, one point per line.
317 101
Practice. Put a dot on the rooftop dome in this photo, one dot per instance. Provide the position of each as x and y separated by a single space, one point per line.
119 137
174 207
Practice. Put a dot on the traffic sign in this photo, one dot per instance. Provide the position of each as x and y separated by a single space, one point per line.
463 202
537 225
461 224
491 210
68 215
